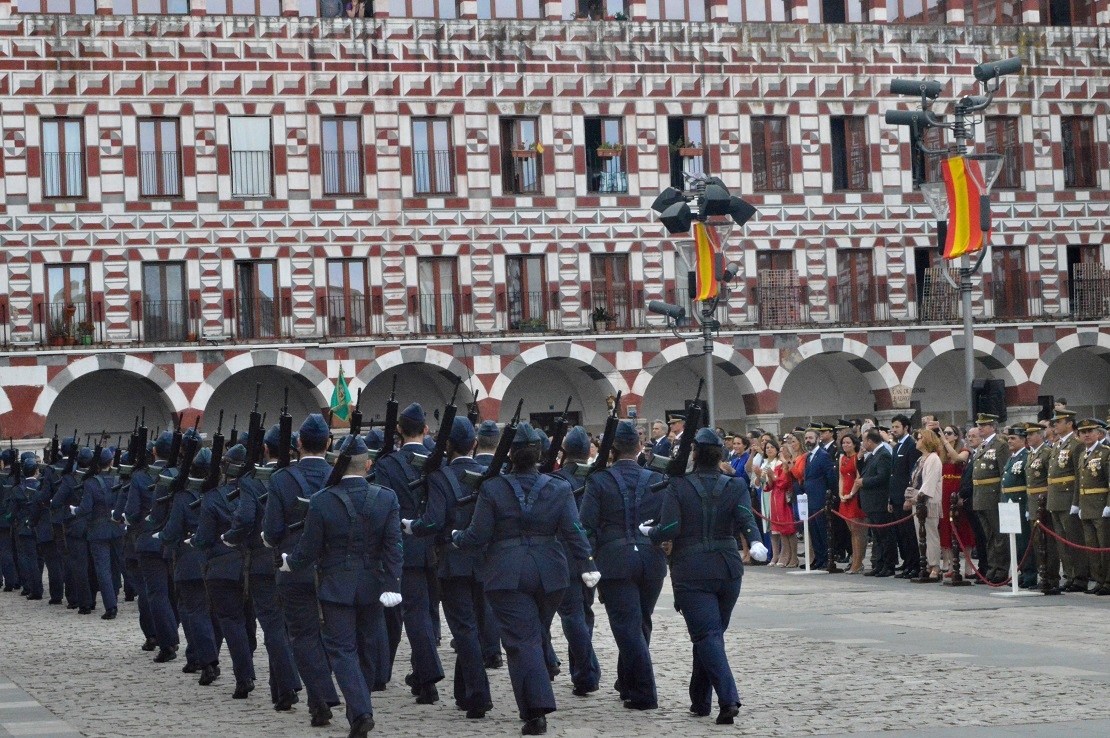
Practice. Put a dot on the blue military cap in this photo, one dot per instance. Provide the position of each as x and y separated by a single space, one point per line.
125 458
164 443
525 435
314 429
375 439
707 437
294 437
488 429
106 456
354 445
577 441
414 412
626 432
24 457
67 445
272 439
543 438
237 454
6 455
28 463
85 456
243 439
429 443
462 433
191 433
202 463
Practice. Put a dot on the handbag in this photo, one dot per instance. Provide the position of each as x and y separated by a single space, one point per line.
913 491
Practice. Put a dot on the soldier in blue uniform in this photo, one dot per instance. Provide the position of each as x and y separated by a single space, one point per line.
9 571
26 542
520 517
66 494
488 434
132 579
154 573
576 613
702 514
50 532
188 573
463 600
224 573
297 590
246 531
632 568
101 532
397 472
353 536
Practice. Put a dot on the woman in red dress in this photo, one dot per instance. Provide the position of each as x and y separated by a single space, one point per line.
953 456
849 500
775 477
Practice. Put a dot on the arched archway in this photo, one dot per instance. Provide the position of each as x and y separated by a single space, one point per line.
321 386
999 363
235 397
672 376
546 384
1081 376
825 386
109 400
428 384
937 375
421 359
876 372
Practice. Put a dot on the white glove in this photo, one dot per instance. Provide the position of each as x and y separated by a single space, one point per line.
1106 512
157 536
72 509
591 578
453 534
1074 510
758 551
189 541
285 563
1027 515
390 599
229 545
266 541
646 529
406 526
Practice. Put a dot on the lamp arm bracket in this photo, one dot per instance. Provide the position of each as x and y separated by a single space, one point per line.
948 278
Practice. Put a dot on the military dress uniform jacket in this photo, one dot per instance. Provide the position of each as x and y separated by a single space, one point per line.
989 461
188 561
616 502
1063 474
20 506
1036 476
140 501
519 515
1094 482
216 516
300 480
702 515
396 472
445 489
353 535
96 507
246 526
1014 488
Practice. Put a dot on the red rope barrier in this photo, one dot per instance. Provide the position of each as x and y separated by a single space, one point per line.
1066 542
792 522
873 525
989 583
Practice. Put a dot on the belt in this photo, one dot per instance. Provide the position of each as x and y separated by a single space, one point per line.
1094 490
1061 480
1011 490
521 541
1036 490
982 482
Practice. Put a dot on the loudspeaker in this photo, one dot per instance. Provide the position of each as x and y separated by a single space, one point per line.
989 396
1048 406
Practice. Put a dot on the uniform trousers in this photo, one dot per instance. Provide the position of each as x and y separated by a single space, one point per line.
196 621
30 567
1096 534
267 611
101 552
146 621
230 608
524 615
463 602
629 603
1075 562
302 622
50 554
487 627
998 561
155 574
9 571
707 604
1052 552
348 635
577 618
416 615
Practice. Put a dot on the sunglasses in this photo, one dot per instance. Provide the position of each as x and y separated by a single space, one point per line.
949 433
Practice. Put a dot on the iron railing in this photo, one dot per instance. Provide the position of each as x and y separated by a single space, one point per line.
260 318
70 324
531 311
251 174
1088 292
438 313
159 174
342 173
606 174
623 305
524 174
168 321
349 315
860 303
432 173
683 298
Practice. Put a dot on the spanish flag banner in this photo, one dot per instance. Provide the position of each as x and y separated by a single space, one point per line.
962 178
341 399
706 251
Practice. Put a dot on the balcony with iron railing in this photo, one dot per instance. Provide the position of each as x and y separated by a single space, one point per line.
342 172
167 321
615 308
159 174
251 174
523 174
683 298
261 318
77 323
353 316
440 314
432 173
535 312
606 172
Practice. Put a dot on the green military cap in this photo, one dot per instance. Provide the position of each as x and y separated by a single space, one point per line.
1064 415
676 418
1018 430
986 419
1034 428
1088 424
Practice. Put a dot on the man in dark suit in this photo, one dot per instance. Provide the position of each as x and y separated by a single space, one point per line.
819 481
873 484
904 457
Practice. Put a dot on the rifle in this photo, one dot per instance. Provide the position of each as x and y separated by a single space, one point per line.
180 482
342 463
175 447
139 458
234 430
558 434
55 453
390 430
213 479
676 465
71 462
356 415
255 434
119 452
16 473
285 434
474 480
473 415
433 461
94 465
606 447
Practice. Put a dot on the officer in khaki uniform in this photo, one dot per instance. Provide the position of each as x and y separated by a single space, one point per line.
989 461
1036 490
1063 500
1014 490
1094 502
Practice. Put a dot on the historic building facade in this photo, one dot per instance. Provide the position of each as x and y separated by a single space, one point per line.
192 203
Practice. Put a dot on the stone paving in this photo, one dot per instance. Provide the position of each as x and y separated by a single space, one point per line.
836 655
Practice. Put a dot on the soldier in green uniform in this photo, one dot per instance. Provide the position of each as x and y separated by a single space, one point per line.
1094 503
1063 500
1036 489
989 461
1014 490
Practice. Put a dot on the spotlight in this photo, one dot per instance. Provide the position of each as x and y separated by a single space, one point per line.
740 210
677 218
987 71
929 88
666 199
716 202
674 312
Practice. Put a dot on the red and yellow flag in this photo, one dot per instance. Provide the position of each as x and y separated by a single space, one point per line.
962 178
706 250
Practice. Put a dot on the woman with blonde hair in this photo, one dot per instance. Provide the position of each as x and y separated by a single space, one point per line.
774 477
929 479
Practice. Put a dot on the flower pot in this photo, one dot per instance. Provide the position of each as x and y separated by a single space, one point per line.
86 340
601 326
57 341
687 152
608 153
523 153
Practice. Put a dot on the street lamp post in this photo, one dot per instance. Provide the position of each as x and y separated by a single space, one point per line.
962 127
704 197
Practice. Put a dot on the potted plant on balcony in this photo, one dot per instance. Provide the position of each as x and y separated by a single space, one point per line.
528 152
57 332
609 150
603 319
84 332
687 149
532 325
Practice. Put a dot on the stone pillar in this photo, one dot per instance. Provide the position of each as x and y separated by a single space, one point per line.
874 11
1030 12
797 11
553 11
718 11
954 16
770 422
1021 414
637 10
468 9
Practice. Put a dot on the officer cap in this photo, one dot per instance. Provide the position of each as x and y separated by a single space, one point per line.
1064 415
800 429
1087 424
626 432
163 444
883 428
272 439
106 457
354 445
1020 431
707 437
525 435
202 462
414 412
1101 423
676 418
1031 428
85 456
28 464
577 441
488 429
374 439
66 447
462 433
237 454
314 429
986 419
844 424
429 443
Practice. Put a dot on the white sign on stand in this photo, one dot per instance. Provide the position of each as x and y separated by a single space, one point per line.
803 507
1009 522
803 515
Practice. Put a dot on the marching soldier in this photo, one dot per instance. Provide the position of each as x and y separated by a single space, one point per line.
1014 490
1063 501
51 513
488 434
1036 489
1094 503
101 533
989 461
26 540
9 570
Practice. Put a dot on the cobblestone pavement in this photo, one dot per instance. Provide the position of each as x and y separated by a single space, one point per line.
838 655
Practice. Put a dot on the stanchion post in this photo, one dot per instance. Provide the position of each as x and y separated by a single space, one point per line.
832 567
1042 542
921 510
957 579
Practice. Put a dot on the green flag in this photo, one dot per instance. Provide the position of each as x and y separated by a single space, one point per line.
341 399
